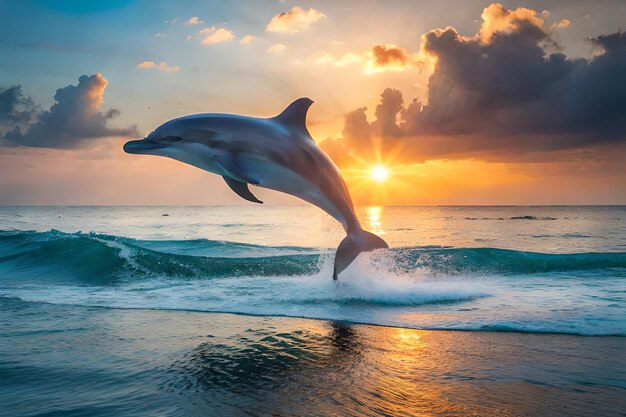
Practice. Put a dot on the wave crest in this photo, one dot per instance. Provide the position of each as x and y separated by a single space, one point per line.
100 259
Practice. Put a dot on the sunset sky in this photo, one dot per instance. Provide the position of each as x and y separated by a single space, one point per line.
463 101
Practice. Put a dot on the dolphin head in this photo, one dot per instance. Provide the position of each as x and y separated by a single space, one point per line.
165 139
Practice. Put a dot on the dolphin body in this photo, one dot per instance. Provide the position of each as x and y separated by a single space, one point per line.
276 153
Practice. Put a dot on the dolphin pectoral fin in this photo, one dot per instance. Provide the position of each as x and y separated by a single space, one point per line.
241 188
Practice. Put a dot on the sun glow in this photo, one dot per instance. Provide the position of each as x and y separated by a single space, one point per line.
379 173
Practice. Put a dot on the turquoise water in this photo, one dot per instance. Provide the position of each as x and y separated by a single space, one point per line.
529 269
120 311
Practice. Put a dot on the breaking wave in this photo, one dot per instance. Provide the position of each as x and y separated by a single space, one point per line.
99 259
419 287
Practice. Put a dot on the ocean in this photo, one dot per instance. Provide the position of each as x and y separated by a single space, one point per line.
232 310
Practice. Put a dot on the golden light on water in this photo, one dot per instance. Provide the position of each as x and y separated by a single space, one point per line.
379 173
373 219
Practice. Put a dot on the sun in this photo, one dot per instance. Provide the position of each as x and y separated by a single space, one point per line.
379 173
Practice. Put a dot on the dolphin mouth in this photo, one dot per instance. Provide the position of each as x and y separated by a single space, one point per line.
142 146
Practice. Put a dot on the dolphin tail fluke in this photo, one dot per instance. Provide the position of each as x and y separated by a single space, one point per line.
352 245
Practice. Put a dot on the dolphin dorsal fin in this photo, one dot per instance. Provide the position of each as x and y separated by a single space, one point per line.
294 116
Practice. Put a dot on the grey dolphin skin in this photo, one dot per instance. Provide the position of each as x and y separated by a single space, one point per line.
276 153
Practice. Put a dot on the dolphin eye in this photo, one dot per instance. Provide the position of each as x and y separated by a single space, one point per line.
172 139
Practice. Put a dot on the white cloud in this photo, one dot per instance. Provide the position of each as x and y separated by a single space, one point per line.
295 20
161 66
277 48
215 35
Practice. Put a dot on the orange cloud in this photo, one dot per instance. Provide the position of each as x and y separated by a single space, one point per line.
498 19
215 35
561 24
388 58
194 20
379 58
161 66
247 39
295 20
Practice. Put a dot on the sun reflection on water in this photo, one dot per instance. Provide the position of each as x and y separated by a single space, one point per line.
374 219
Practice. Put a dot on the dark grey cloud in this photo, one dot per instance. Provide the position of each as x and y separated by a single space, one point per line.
500 94
15 108
73 120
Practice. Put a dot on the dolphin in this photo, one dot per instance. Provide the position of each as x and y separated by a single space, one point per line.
276 153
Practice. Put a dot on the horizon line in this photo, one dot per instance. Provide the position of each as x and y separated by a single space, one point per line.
307 205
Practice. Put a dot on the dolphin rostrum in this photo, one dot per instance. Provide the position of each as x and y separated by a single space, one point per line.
276 153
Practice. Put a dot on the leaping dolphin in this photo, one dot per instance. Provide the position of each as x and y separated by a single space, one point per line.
276 153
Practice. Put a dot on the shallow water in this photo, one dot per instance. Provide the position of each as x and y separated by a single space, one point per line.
85 361
119 311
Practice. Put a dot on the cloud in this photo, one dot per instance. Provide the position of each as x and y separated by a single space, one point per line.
15 108
499 95
215 35
324 58
295 20
194 20
277 48
379 58
247 39
499 20
73 120
388 58
161 66
561 24
347 59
